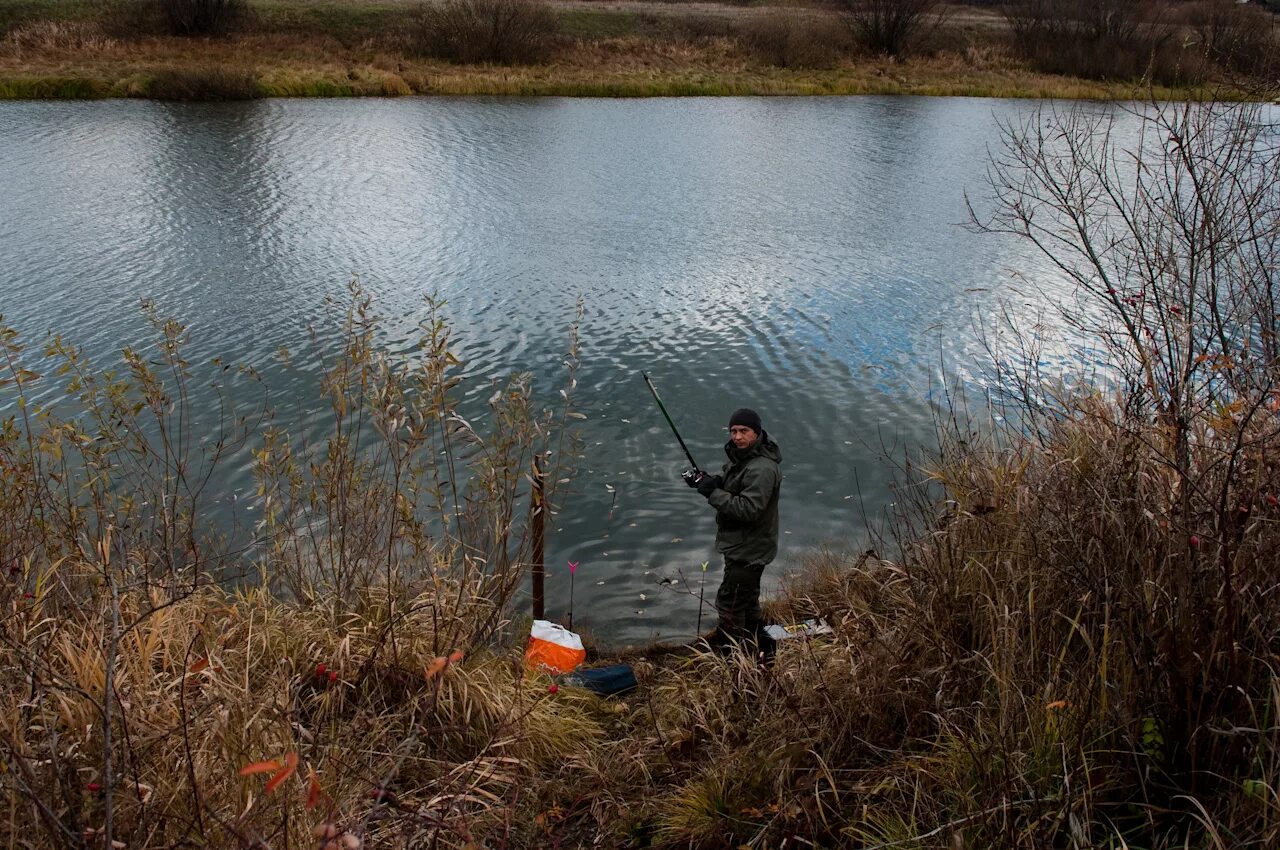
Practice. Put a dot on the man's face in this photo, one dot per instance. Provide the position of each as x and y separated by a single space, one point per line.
742 436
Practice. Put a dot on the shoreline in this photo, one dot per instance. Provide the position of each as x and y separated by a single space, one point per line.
227 81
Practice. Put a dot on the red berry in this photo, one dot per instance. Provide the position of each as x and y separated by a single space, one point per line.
28 596
1195 540
552 689
1271 500
94 787
333 676
320 668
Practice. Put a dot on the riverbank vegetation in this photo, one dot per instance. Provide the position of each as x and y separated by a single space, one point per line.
234 49
1066 633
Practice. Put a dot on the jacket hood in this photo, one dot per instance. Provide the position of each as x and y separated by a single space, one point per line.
763 447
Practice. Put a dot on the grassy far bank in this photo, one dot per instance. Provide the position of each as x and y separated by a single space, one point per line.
1066 635
300 48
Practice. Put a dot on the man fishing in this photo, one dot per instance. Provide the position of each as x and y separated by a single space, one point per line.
745 498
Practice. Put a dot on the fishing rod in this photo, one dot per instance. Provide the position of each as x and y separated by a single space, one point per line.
663 408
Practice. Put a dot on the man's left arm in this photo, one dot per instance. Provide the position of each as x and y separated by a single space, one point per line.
758 483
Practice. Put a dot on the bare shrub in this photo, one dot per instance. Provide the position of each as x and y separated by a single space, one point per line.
500 31
795 39
1100 39
1238 38
201 17
1169 243
891 27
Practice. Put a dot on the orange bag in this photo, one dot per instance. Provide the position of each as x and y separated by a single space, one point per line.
553 649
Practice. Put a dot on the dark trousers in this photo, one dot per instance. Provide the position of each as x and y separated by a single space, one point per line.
738 599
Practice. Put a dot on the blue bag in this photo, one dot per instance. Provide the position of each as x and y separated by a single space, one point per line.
605 681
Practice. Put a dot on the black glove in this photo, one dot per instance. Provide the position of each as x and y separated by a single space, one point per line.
708 484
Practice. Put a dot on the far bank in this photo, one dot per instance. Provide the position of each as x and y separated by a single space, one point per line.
387 48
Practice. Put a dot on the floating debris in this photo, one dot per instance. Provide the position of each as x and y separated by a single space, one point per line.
643 598
677 539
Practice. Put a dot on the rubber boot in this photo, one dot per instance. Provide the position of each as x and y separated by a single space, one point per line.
717 640
766 646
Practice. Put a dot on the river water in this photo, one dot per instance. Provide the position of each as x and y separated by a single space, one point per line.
805 257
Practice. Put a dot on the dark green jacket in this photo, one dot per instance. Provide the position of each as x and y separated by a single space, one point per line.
747 503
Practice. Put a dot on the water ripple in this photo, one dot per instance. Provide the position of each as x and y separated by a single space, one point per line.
797 255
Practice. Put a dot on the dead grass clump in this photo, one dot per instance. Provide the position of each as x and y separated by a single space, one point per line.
42 37
217 683
203 84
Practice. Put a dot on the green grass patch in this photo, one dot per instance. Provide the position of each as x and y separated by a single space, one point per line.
53 88
599 23
349 23
14 12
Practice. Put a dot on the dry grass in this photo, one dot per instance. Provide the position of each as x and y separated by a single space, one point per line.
1017 673
43 38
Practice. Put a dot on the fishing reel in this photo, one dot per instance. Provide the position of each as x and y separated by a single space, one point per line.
692 476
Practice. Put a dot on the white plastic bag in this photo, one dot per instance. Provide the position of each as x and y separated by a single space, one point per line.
553 649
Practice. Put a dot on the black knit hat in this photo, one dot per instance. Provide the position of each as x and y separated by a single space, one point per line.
748 417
